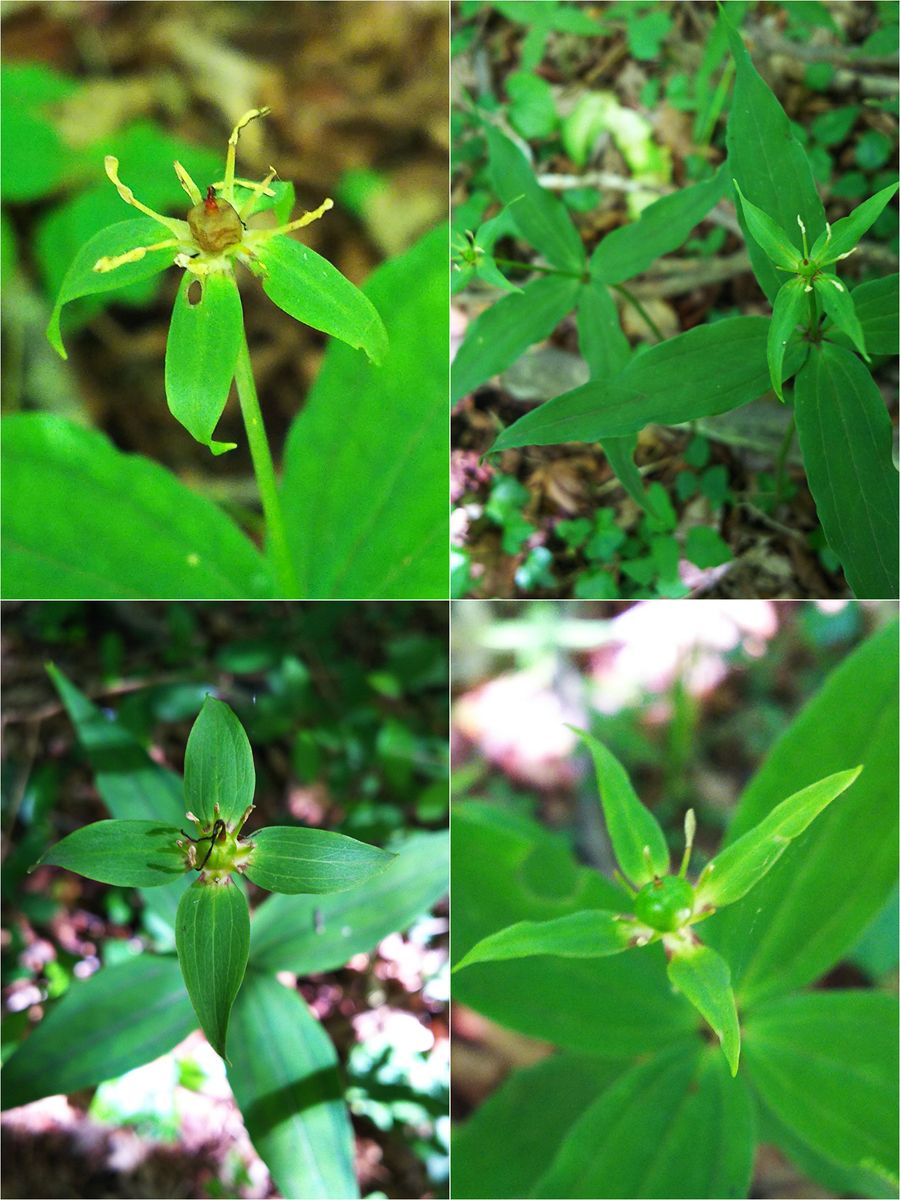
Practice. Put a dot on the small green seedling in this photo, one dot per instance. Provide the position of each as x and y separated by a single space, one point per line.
212 924
667 907
207 348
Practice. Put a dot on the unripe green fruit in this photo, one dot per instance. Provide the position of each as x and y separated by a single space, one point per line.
665 904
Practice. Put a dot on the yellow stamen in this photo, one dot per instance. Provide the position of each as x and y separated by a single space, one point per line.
187 183
306 219
119 260
179 228
258 189
245 120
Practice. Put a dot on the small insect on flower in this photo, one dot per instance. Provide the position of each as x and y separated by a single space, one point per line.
217 833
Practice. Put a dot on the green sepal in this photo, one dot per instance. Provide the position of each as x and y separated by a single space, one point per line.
293 860
82 280
786 312
838 304
201 353
631 826
124 853
769 234
704 978
212 937
310 289
847 232
593 933
741 865
218 765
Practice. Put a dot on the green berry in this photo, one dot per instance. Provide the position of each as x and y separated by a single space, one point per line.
665 904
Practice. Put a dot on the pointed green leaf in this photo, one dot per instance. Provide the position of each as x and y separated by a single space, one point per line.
838 304
706 371
539 216
201 351
492 275
675 1125
767 161
218 765
734 871
705 979
846 233
285 1079
826 1064
787 311
111 525
661 228
773 239
320 932
846 438
633 829
601 341
126 1015
293 860
503 332
592 934
126 853
82 280
212 936
877 305
310 289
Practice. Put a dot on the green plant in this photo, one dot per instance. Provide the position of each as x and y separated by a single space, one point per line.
339 897
203 553
636 1102
843 428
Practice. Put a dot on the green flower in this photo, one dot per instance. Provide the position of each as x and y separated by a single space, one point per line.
206 335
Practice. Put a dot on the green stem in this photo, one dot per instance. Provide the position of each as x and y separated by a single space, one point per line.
633 300
264 469
512 262
786 443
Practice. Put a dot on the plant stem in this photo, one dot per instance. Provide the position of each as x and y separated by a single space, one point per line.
782 460
264 470
633 300
512 262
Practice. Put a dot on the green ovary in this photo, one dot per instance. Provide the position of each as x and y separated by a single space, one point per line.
665 904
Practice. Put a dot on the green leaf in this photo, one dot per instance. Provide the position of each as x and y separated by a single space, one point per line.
674 1126
81 520
503 332
310 289
82 280
794 926
633 829
365 465
787 311
293 860
510 1140
615 1007
319 933
532 108
122 1017
592 934
660 229
284 1075
878 312
705 371
769 235
705 548
126 853
601 341
201 352
218 765
845 435
846 233
212 935
767 161
539 216
826 1063
737 869
838 304
705 979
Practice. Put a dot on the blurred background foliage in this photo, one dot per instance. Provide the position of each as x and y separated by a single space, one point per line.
690 696
616 104
345 706
358 94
